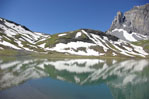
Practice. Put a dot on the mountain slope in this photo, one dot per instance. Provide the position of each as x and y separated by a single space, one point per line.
132 25
92 42
84 42
18 37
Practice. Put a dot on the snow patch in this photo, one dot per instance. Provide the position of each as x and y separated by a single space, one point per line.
124 25
62 34
9 45
19 43
72 46
97 40
126 35
42 45
78 34
114 54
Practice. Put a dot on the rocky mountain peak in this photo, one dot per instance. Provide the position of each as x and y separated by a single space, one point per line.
135 20
118 21
119 17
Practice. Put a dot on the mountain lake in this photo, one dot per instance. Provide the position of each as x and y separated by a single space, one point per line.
28 78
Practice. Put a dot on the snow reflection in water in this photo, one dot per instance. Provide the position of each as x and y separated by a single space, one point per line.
120 76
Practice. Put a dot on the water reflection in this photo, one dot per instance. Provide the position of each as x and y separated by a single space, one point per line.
128 79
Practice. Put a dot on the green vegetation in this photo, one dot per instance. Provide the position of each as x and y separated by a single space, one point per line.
63 39
51 41
54 39
57 55
18 36
8 39
143 43
8 52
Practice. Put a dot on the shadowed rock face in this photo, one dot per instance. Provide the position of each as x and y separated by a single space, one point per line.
134 20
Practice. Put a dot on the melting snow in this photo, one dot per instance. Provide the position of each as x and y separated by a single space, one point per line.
61 47
20 43
139 49
9 44
78 34
127 35
96 39
62 34
114 54
42 45
71 47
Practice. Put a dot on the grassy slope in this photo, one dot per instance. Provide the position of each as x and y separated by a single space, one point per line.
51 55
144 44
55 39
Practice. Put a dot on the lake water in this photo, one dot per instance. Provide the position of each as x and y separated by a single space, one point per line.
74 79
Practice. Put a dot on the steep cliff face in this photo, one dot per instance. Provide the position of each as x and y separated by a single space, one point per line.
135 22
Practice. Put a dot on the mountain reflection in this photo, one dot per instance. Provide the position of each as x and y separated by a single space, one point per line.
122 77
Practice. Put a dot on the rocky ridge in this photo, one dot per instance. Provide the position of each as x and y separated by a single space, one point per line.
134 23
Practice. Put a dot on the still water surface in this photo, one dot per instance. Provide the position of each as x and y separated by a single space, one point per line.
74 79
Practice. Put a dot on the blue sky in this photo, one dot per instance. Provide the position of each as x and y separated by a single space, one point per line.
54 16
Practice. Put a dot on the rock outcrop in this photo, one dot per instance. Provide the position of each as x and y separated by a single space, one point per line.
135 20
